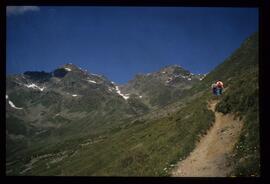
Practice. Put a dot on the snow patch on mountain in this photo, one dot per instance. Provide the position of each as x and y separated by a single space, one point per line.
180 76
68 69
202 78
125 96
34 86
96 75
12 104
91 81
204 75
184 77
74 95
110 89
169 79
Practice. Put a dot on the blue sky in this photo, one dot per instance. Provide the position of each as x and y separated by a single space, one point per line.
120 42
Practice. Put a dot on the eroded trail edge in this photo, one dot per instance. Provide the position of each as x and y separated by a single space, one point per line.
210 157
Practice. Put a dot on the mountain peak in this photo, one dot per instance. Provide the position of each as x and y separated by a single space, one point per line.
174 69
173 66
69 67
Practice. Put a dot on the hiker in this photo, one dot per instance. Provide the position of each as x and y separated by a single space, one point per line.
214 88
220 87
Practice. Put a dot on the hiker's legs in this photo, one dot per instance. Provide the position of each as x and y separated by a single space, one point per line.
218 91
215 91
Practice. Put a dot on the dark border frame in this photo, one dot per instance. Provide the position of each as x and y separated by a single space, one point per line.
264 14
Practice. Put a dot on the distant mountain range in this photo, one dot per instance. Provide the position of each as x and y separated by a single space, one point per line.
72 122
170 81
43 98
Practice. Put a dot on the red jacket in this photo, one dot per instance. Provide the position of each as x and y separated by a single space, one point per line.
219 84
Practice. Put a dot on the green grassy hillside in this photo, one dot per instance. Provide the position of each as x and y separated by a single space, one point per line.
138 149
242 100
239 73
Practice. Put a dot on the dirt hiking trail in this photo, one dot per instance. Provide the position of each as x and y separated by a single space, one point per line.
209 158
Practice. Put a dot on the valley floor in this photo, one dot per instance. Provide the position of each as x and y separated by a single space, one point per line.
210 157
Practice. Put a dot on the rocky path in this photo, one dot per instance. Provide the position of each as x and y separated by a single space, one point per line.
209 158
